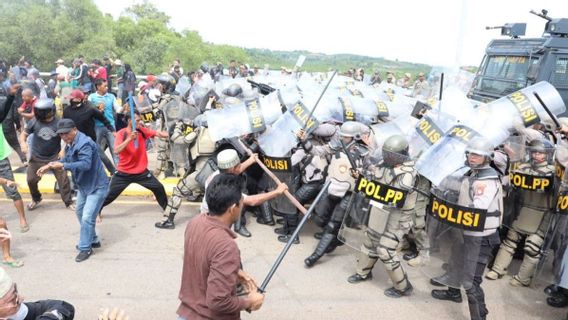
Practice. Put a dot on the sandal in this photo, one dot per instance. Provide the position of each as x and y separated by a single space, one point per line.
13 263
33 205
25 228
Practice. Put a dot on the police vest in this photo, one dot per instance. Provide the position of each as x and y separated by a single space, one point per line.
535 183
491 201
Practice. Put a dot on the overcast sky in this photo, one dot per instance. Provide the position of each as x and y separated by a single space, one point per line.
444 32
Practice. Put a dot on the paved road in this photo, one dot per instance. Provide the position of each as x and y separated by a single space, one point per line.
138 268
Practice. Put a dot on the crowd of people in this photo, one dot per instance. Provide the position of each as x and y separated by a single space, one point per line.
376 189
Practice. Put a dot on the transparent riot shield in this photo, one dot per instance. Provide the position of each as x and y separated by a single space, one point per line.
289 174
236 120
282 136
455 228
493 121
183 85
553 265
428 130
378 199
144 106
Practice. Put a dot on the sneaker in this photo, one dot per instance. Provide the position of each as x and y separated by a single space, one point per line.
94 245
84 255
356 278
71 206
166 224
33 205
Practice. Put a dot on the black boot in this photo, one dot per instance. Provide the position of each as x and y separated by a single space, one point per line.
453 295
168 222
240 227
265 214
323 245
551 290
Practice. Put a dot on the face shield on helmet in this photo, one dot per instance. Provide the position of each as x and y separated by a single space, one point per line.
395 150
44 109
167 82
479 153
540 151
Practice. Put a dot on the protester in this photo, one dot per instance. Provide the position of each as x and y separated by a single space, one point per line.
45 148
82 159
133 162
212 262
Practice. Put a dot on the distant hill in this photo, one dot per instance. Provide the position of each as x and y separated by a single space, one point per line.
342 62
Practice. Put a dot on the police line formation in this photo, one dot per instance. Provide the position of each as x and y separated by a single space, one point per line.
462 183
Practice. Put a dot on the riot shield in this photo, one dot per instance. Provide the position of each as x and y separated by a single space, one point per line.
454 226
379 198
236 120
282 136
183 85
289 174
144 106
493 122
402 126
553 265
429 129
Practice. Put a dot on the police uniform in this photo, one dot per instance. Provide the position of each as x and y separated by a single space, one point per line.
162 144
330 211
387 228
201 148
532 221
480 189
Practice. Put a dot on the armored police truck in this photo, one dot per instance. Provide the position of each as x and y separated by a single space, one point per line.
512 64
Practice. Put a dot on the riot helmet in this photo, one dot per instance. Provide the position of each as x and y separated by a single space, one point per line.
204 67
167 82
234 90
44 109
395 150
481 147
563 121
351 129
542 146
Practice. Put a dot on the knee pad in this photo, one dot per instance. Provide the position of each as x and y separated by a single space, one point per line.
332 227
533 245
511 241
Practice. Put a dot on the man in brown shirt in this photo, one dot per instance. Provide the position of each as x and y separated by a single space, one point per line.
211 263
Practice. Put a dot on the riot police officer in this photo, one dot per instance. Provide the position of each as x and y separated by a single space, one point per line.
166 84
479 189
388 223
533 216
330 211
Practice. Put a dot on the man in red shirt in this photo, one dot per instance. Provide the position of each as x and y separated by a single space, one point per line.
99 71
133 162
212 262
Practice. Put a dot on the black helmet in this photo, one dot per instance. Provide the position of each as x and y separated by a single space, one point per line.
44 109
204 67
167 82
233 90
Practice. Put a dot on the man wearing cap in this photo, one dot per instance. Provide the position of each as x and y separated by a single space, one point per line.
61 69
133 161
228 162
405 81
421 87
84 115
13 307
82 159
